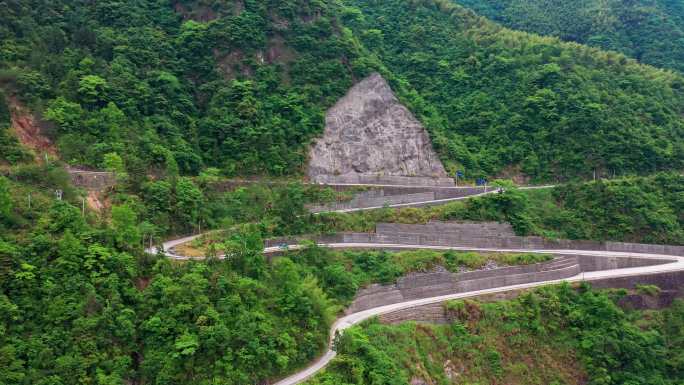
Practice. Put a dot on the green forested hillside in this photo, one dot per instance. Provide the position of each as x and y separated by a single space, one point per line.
81 303
651 31
243 89
242 86
553 335
495 98
174 95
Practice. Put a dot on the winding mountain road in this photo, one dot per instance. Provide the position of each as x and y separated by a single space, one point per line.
676 264
169 245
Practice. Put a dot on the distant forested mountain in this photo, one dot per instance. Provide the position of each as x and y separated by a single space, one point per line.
651 31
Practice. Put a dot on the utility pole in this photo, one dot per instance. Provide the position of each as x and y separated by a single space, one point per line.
83 206
458 173
29 201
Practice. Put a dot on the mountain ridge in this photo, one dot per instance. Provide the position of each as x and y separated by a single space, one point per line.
245 88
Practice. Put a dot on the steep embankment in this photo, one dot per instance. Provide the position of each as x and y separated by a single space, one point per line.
553 335
244 86
10 148
651 31
370 137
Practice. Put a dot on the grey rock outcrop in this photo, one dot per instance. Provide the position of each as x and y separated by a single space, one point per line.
370 137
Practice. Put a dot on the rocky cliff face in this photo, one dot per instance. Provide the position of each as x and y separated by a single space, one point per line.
372 138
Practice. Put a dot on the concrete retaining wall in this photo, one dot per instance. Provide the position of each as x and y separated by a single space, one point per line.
458 229
672 283
374 201
593 263
433 313
395 195
384 179
437 238
92 180
424 285
645 248
494 235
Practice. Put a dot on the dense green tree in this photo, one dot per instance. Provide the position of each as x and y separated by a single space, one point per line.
244 253
113 162
125 226
189 201
5 199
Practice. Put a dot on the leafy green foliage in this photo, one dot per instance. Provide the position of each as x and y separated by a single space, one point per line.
174 206
5 199
635 210
75 307
124 227
651 31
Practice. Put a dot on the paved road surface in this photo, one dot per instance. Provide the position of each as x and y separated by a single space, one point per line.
677 264
435 202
